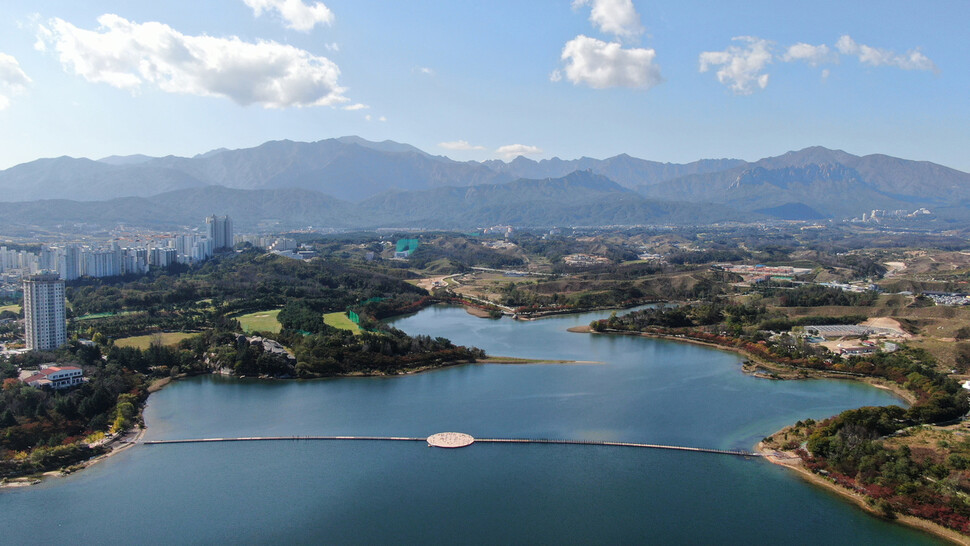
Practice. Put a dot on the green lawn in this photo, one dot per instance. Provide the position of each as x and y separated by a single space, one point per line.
14 307
340 321
260 321
104 315
144 342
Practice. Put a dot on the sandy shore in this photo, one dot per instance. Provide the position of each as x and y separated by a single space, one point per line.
477 311
159 384
793 462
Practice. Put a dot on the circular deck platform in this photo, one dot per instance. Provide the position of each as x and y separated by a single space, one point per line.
450 439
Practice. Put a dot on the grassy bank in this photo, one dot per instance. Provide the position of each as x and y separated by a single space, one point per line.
167 339
340 321
260 321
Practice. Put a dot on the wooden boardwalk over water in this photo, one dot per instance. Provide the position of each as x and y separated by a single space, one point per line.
734 452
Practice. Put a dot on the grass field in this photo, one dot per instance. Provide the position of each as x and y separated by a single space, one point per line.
340 321
144 342
14 307
260 321
104 315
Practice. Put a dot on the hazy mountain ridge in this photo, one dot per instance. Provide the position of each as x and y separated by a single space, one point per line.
831 182
85 179
809 183
581 198
623 169
346 170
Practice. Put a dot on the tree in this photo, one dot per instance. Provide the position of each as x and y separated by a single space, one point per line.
125 413
7 419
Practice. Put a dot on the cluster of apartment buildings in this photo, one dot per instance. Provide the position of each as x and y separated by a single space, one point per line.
72 261
43 274
271 244
879 214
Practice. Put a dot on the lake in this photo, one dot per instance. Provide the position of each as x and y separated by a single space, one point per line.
642 390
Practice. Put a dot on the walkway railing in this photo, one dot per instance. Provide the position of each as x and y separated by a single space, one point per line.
734 452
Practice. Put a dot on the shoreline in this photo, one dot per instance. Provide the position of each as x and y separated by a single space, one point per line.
792 462
537 315
121 443
114 446
751 367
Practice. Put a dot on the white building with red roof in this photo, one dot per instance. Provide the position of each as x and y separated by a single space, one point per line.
56 377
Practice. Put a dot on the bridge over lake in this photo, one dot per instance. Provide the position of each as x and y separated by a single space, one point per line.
457 440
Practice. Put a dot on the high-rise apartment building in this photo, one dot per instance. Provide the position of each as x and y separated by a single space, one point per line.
220 231
45 326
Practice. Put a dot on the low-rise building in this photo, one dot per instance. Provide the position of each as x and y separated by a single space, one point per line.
857 351
56 377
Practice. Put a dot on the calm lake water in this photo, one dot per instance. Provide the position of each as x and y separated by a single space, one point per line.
643 390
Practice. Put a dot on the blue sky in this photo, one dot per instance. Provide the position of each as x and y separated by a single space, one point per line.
666 81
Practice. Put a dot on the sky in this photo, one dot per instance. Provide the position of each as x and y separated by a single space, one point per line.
665 81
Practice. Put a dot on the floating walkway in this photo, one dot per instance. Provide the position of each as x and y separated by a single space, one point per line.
456 440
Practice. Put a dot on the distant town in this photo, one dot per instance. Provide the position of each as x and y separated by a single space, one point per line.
132 254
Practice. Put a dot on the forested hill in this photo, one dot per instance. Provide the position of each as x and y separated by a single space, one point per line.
249 280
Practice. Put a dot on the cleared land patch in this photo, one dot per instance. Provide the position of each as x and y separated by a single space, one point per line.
341 322
143 342
13 308
260 321
107 314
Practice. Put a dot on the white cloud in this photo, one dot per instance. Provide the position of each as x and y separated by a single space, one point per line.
382 118
425 70
296 14
127 55
368 117
11 75
741 67
13 79
600 65
811 54
911 60
512 151
617 17
356 106
461 145
332 46
43 36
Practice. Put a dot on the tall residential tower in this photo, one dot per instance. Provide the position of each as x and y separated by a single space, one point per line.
220 231
45 326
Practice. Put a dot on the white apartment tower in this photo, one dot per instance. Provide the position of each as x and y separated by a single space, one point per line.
220 231
45 326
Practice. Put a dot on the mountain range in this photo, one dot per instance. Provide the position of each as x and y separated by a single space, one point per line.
350 182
